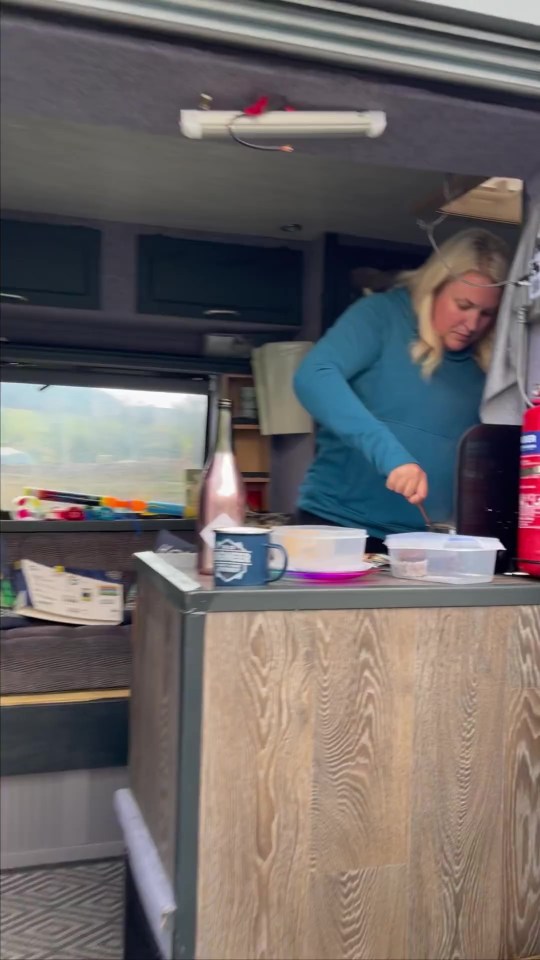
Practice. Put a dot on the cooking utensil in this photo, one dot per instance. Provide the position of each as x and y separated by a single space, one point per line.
425 517
435 527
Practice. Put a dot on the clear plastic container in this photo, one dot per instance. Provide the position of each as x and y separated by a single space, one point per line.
326 551
442 558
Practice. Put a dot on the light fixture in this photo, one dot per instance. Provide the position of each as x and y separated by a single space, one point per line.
291 227
497 199
282 124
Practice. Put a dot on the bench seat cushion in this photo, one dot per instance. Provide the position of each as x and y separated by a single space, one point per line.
52 658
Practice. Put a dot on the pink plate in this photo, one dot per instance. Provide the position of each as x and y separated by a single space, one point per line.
331 577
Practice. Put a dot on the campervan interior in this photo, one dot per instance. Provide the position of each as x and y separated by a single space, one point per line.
139 271
130 205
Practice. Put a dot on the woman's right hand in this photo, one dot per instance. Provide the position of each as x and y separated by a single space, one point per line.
410 481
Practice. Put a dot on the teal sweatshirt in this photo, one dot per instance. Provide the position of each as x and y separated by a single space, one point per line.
376 411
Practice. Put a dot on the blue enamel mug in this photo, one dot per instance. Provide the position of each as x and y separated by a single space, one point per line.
242 556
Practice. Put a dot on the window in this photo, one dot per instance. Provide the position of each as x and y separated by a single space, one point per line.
130 444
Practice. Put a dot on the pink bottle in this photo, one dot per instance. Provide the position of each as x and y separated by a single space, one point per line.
222 500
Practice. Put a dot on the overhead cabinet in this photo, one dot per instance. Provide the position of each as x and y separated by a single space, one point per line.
50 265
219 281
353 266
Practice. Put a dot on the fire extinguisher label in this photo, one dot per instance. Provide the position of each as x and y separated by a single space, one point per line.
528 545
529 498
530 443
529 510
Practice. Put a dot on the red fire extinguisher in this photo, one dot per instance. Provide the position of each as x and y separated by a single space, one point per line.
529 491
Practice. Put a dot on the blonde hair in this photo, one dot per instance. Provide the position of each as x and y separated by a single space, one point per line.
477 251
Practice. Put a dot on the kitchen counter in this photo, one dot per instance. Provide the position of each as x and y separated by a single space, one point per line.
337 772
378 589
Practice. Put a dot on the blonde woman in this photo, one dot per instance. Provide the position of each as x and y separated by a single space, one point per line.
394 385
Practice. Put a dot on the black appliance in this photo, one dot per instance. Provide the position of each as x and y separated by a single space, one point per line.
487 488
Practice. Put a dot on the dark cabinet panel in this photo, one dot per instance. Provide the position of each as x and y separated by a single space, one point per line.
52 737
197 278
51 265
354 264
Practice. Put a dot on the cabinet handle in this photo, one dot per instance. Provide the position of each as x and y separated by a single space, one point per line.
13 296
221 313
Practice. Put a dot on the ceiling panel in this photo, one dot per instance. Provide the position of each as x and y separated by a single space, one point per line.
114 174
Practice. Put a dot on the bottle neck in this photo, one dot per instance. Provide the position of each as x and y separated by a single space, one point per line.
224 432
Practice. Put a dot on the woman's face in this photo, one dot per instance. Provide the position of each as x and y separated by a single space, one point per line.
463 314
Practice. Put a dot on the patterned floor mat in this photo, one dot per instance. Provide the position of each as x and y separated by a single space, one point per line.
62 913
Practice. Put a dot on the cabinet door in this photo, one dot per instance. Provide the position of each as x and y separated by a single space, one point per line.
194 278
51 265
346 258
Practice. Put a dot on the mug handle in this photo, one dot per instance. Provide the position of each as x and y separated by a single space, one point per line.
275 575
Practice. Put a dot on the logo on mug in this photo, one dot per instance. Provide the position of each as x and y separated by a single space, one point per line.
231 560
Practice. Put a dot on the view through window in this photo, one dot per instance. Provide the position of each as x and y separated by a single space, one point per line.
130 444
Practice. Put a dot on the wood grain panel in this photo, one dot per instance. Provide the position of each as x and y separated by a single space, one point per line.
524 648
455 862
44 659
256 786
521 901
358 915
363 738
370 780
154 716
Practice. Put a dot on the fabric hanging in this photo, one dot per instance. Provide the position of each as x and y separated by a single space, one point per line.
516 345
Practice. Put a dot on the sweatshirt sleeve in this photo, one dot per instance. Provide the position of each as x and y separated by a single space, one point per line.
321 384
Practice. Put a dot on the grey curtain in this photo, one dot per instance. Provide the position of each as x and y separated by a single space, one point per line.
514 345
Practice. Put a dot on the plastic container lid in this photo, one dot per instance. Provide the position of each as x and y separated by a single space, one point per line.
303 532
441 541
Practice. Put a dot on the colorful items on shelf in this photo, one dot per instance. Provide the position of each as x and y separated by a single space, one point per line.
62 496
7 594
27 507
144 506
103 513
66 513
81 506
